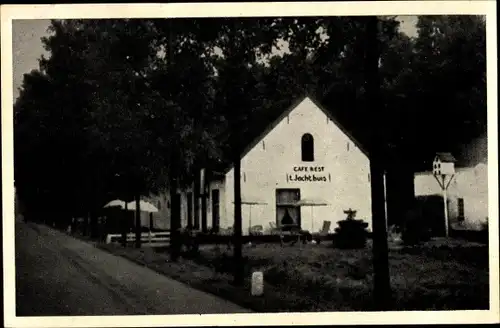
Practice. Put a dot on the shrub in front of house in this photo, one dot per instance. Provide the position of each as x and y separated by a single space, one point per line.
351 233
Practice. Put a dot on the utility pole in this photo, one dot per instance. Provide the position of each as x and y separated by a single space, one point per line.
381 281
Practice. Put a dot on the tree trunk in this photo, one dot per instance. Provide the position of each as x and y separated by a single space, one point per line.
174 221
138 227
93 224
87 224
238 243
123 220
400 193
382 288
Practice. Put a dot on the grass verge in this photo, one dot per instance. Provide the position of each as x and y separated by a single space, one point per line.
204 278
320 278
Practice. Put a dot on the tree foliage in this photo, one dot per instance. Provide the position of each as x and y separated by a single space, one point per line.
109 108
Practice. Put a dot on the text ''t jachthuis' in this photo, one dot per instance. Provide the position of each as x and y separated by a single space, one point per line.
310 176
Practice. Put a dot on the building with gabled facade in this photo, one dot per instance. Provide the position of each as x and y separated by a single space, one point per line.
304 154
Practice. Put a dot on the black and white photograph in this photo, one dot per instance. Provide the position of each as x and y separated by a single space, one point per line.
295 158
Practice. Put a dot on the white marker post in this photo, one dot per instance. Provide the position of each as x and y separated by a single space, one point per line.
443 166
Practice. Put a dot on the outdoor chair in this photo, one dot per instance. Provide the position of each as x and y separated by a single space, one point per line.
323 232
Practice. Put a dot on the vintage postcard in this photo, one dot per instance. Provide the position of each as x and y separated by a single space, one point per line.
215 164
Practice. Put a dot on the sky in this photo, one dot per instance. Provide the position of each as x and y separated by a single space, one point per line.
27 46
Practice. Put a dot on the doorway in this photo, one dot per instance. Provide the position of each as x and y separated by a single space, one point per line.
286 211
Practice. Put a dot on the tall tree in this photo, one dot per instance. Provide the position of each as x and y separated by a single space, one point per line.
240 41
377 114
62 111
448 76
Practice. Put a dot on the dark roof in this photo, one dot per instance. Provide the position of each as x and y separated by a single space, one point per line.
259 131
446 157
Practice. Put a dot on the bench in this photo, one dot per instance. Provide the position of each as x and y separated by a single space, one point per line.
153 239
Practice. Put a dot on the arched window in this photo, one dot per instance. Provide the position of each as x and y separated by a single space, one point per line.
307 144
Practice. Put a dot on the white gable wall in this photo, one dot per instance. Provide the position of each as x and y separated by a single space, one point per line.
268 164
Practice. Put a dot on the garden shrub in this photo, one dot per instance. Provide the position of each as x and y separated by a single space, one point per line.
351 233
276 275
358 270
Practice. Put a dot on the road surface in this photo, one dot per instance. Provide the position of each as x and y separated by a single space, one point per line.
59 275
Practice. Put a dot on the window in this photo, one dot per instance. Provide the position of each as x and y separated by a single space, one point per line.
286 211
307 144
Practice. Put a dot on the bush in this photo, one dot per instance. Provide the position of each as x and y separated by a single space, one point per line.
351 233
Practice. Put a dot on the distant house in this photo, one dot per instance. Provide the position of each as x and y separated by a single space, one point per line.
304 154
468 191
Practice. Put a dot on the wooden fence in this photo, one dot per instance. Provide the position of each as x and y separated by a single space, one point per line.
153 239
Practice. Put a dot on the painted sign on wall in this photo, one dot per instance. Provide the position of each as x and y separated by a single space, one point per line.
308 174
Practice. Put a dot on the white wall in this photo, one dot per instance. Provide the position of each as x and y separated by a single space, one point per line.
471 184
267 165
